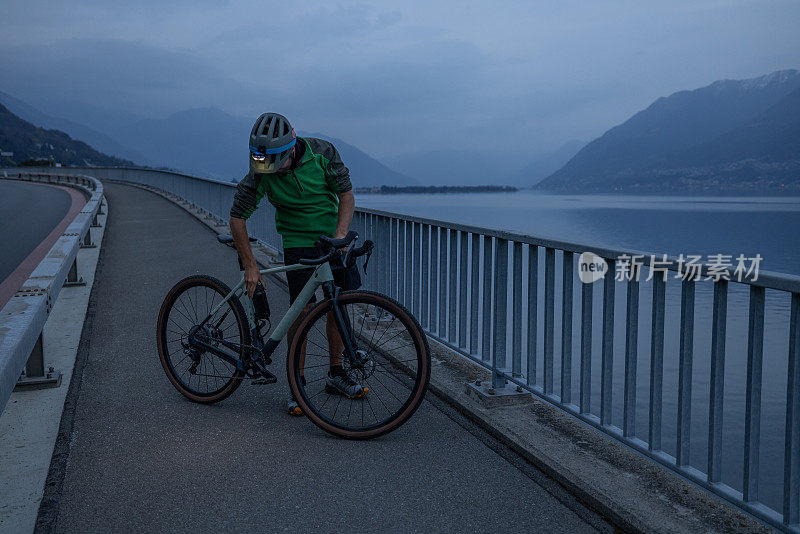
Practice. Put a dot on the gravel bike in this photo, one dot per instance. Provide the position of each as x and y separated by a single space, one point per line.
210 341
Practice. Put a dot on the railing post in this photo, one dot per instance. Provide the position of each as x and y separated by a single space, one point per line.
408 254
392 257
452 287
607 352
717 382
516 307
462 289
416 289
533 306
443 276
567 276
433 314
474 298
549 317
631 353
791 469
656 363
486 331
685 374
500 302
425 300
587 292
752 410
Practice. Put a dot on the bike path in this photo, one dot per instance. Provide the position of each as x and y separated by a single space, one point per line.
143 458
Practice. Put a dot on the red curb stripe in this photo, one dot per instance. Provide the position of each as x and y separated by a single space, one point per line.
14 281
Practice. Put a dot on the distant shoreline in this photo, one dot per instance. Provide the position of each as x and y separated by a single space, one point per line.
418 189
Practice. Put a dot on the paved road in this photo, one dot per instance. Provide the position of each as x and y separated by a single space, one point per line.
143 458
28 212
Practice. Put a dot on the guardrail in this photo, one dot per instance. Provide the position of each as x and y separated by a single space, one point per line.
24 316
495 298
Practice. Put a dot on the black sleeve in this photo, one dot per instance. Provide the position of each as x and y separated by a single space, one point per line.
336 174
248 194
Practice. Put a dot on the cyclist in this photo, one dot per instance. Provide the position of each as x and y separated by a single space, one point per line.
308 184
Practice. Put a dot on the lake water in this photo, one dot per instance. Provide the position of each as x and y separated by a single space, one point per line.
702 225
674 225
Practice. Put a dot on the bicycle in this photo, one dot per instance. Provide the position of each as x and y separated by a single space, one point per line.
208 354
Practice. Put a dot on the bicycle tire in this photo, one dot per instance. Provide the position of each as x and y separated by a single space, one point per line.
418 371
163 329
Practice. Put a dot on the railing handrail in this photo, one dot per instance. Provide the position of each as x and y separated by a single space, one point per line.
25 314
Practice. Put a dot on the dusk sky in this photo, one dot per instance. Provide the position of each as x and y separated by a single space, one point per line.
394 77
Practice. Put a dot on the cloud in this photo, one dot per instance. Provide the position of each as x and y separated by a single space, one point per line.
393 77
146 79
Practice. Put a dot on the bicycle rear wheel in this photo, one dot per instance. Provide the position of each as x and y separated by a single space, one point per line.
393 367
201 376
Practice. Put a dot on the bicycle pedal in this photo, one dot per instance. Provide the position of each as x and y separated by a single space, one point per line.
265 381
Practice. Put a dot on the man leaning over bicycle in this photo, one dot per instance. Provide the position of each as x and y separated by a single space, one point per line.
308 184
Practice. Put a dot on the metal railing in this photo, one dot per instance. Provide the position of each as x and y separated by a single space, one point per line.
24 316
512 303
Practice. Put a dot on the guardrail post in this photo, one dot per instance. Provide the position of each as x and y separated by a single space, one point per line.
72 277
34 375
87 239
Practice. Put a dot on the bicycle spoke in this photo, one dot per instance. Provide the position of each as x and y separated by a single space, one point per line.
211 373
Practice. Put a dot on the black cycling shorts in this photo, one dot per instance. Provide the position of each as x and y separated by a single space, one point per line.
297 279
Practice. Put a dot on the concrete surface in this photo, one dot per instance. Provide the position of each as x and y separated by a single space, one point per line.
496 398
134 455
30 421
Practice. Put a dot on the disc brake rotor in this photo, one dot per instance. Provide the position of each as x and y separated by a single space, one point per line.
360 371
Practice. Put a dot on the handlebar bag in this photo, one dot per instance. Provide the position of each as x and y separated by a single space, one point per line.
347 278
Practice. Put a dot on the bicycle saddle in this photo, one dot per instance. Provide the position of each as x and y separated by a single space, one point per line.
227 239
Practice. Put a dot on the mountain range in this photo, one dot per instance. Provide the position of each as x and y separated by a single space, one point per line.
26 142
204 141
76 130
732 135
475 167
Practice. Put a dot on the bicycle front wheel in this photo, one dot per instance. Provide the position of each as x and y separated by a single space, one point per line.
389 374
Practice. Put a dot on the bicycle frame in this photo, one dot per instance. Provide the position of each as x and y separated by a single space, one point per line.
322 276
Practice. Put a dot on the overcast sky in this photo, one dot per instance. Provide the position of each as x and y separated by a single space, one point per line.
394 77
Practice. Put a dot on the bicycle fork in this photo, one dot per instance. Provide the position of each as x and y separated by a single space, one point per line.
331 292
